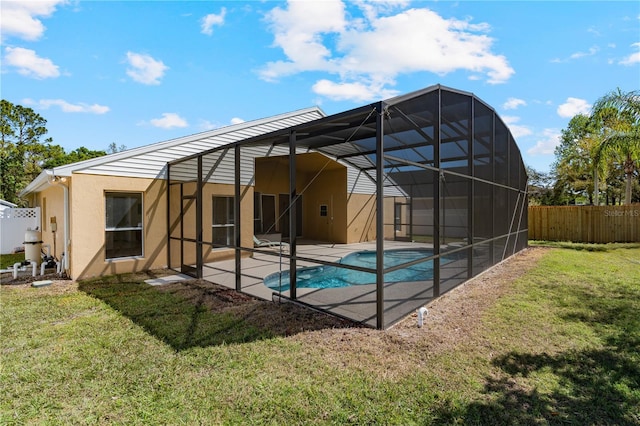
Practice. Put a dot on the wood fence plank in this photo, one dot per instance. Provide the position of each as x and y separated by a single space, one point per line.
585 224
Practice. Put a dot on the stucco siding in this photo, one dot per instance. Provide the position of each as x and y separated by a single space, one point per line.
51 203
88 255
361 218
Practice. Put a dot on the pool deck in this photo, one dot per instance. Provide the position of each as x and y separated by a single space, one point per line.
356 302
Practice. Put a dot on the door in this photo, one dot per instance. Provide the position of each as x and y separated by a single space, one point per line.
268 202
283 204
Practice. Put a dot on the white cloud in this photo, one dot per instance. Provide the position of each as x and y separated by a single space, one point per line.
517 130
144 69
550 139
298 31
592 51
577 55
20 18
169 120
212 19
573 107
633 58
29 64
514 103
68 107
207 125
367 53
357 91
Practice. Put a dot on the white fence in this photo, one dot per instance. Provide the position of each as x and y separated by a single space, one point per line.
14 224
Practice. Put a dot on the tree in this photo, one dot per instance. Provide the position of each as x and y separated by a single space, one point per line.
619 114
55 158
574 165
540 188
23 153
113 148
21 148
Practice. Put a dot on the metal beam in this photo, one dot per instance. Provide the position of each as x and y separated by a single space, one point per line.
237 217
293 226
199 259
379 217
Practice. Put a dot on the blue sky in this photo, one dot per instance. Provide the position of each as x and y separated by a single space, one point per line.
136 73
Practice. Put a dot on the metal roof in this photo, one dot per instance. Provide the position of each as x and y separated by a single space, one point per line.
150 161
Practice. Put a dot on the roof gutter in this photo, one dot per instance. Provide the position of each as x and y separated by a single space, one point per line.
62 182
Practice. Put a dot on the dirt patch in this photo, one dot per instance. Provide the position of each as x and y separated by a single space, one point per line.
452 321
283 319
7 278
58 286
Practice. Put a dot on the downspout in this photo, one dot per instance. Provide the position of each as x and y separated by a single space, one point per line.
57 180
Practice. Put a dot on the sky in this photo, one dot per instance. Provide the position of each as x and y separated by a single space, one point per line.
138 72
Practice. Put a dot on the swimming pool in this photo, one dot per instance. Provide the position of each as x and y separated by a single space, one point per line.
335 277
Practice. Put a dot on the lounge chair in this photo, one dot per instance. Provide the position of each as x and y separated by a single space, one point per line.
266 243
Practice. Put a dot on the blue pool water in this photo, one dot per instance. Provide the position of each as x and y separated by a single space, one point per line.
334 277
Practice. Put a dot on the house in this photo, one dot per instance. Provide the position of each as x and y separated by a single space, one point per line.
108 215
429 186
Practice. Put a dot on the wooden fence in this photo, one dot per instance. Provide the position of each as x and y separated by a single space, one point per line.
585 224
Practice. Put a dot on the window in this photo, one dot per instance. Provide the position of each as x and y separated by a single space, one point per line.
123 232
397 220
223 221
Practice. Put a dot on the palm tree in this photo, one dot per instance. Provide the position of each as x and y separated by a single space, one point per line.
619 114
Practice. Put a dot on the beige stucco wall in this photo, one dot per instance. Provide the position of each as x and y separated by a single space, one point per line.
361 218
88 213
329 189
51 203
318 185
351 217
189 222
246 219
88 225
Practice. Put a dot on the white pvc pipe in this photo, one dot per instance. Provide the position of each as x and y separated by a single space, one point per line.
34 266
65 188
56 180
422 313
15 269
59 264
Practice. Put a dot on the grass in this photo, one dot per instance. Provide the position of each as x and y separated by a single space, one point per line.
176 320
7 260
561 346
583 246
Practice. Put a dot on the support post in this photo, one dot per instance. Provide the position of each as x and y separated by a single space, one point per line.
436 199
168 216
199 260
293 226
237 220
379 216
470 188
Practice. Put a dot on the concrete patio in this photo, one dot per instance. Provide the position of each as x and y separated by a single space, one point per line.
356 302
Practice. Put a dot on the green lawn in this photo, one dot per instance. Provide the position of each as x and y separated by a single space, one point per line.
7 260
561 346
